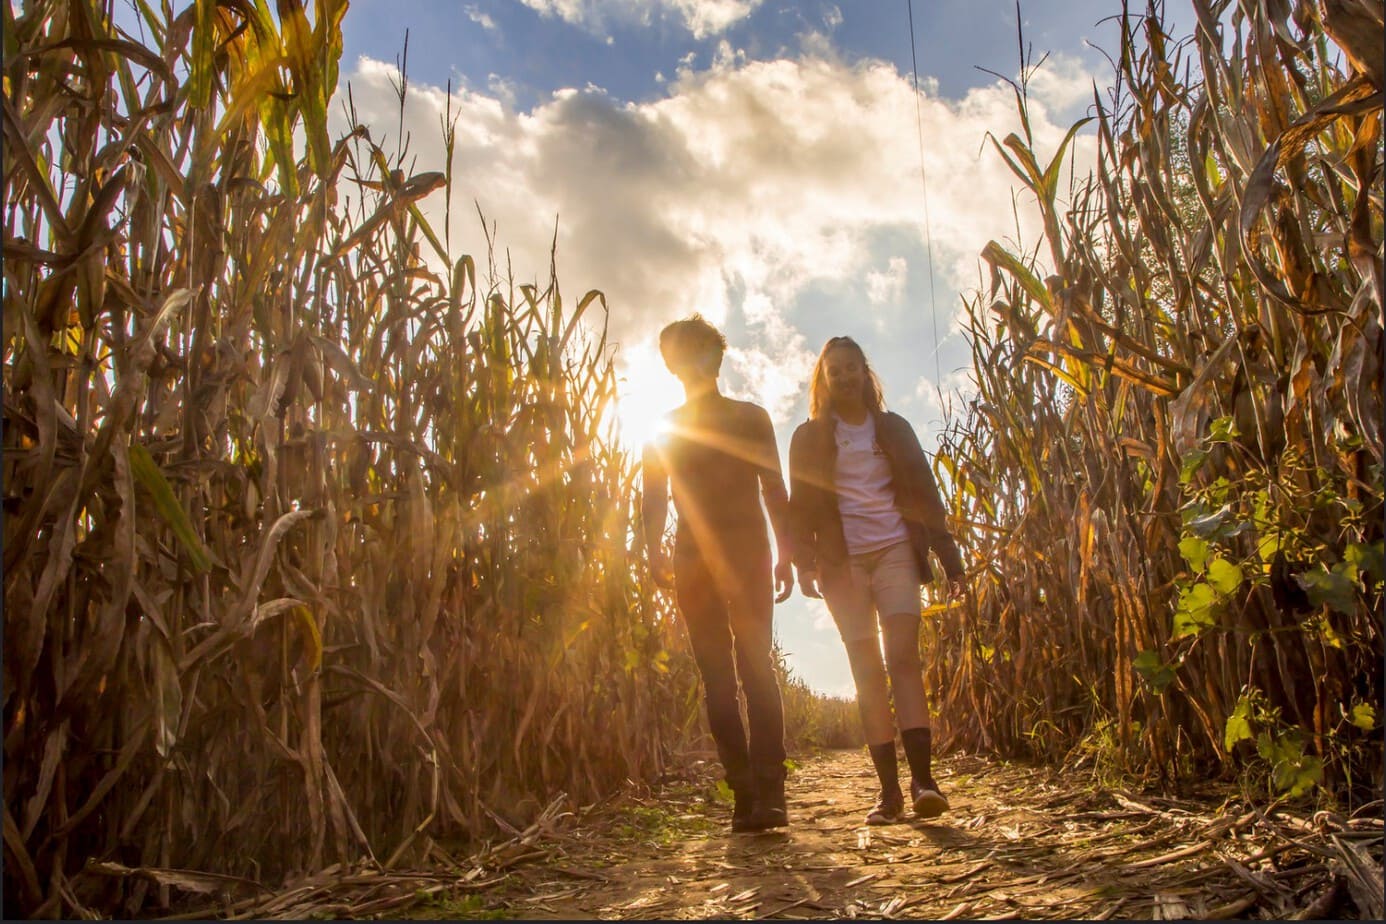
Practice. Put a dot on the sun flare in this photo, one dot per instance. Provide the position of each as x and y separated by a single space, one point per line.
645 392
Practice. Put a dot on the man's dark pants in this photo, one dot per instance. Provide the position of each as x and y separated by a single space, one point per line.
727 603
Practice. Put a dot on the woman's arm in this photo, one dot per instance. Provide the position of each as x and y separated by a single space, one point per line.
931 513
801 526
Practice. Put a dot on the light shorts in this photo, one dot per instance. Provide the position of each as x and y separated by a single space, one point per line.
884 582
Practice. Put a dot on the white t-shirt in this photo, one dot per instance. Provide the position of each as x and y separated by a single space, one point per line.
870 518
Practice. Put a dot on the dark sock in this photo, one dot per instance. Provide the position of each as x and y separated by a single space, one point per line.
918 745
887 767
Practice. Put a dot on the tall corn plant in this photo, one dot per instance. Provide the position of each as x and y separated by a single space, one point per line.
1173 466
316 545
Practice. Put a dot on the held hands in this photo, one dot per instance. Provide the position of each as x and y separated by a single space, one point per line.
784 580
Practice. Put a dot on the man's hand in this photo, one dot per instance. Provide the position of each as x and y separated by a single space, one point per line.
808 584
784 580
660 569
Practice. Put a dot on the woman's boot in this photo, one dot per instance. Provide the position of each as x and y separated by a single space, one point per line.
924 792
890 806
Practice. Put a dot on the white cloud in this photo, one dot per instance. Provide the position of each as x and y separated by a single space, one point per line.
887 287
702 18
1063 86
502 89
932 403
822 618
481 19
749 182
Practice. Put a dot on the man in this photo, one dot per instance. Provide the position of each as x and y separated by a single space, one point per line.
719 457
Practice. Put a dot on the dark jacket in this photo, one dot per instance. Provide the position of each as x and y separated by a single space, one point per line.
815 521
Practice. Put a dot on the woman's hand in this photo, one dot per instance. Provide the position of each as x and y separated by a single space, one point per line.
808 584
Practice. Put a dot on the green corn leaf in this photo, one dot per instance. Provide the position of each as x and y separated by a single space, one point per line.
147 474
998 257
204 42
1051 173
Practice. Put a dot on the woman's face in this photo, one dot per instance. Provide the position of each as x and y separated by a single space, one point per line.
845 374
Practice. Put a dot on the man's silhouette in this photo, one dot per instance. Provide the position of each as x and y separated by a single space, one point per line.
719 458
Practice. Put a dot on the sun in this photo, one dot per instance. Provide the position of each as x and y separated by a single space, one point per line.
645 392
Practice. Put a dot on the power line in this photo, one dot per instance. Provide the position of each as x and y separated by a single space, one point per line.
924 184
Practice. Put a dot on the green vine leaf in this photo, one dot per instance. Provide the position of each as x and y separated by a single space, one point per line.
1195 552
1363 716
1155 672
1238 726
1329 587
1194 611
1367 559
1224 576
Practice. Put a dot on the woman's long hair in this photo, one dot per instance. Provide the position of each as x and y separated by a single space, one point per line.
820 405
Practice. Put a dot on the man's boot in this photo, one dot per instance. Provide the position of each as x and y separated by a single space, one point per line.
771 810
924 792
744 807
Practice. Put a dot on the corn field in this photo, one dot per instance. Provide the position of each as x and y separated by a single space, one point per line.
1172 468
318 539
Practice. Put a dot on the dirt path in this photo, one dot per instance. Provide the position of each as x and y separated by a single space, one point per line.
1018 843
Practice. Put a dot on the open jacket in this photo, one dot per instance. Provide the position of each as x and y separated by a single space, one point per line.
815 522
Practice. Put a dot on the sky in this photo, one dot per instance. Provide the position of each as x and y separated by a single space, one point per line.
763 162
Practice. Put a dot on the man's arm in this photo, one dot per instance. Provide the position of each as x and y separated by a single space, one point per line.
776 498
654 510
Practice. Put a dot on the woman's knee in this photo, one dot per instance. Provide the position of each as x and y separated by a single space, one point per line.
902 646
904 662
864 657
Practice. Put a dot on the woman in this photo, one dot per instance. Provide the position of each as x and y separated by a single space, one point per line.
865 513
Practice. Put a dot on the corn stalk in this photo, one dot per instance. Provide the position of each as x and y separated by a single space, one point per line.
1172 470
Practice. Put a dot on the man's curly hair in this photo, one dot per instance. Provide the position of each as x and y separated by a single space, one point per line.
690 339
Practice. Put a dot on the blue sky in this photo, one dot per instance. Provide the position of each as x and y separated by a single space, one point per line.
759 162
539 50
